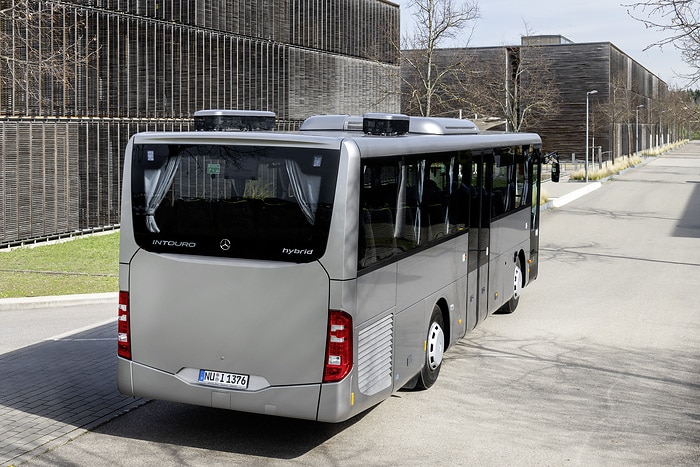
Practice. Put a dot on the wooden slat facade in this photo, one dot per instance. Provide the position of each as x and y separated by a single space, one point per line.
580 68
150 65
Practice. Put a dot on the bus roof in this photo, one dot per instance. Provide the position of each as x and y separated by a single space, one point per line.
425 134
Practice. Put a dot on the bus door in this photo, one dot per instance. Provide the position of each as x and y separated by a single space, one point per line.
479 235
462 214
533 179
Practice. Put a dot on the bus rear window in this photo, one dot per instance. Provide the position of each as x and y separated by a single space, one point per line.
256 202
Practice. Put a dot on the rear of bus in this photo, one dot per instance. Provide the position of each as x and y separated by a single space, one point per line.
226 260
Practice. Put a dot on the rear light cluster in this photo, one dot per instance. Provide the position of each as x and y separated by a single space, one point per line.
123 331
338 347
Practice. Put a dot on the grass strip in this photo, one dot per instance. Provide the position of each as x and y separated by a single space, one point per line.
83 265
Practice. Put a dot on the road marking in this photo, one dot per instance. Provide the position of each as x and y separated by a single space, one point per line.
86 328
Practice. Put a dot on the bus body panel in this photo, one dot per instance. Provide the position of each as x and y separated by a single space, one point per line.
288 401
196 312
343 400
426 272
509 237
340 259
411 328
376 293
127 243
472 299
463 309
337 402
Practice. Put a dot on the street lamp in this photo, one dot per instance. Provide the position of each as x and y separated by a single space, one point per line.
636 141
595 91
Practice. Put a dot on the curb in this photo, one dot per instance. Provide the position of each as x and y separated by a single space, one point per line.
29 303
576 194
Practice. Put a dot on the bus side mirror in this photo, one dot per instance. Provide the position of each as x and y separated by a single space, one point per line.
555 171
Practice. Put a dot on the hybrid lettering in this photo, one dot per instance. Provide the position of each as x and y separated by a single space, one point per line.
295 251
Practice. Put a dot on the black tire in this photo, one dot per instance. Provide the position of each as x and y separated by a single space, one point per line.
512 304
434 348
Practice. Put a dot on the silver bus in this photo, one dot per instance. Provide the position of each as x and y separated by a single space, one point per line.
311 274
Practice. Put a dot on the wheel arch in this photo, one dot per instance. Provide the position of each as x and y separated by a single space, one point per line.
519 257
445 311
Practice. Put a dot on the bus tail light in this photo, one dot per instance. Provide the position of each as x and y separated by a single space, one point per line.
338 347
123 331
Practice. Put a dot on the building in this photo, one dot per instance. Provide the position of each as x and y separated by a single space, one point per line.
624 100
556 77
81 76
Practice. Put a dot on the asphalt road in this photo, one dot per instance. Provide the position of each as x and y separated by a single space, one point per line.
600 364
51 323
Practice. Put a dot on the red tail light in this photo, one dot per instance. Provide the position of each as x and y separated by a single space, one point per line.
338 347
123 331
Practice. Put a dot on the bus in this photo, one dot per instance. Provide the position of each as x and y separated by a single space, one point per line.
311 274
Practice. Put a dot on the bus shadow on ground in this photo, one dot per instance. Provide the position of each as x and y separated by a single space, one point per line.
226 431
70 383
54 387
70 380
689 224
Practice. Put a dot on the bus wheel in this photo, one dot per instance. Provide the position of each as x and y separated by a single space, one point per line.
517 290
435 346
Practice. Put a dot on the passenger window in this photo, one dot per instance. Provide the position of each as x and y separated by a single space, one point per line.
408 203
378 197
508 179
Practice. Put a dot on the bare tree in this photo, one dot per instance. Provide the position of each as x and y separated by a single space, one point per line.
514 84
681 20
423 76
616 112
42 45
683 113
530 90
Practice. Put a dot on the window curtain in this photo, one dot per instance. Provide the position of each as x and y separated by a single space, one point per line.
420 187
525 199
401 203
156 184
451 185
305 188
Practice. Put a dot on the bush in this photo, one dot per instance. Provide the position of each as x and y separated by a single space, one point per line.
621 163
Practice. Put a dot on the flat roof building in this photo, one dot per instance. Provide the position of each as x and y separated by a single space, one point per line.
491 82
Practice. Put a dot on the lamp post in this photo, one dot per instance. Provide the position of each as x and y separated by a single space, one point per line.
636 140
594 91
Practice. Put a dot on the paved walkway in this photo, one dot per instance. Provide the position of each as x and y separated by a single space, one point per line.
54 391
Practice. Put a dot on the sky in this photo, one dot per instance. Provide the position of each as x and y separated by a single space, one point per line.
503 22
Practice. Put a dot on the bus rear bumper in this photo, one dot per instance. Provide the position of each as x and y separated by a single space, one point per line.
138 380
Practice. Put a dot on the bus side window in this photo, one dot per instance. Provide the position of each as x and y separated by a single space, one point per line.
508 180
367 254
460 198
377 215
440 198
499 194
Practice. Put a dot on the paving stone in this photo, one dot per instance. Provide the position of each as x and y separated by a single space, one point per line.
78 390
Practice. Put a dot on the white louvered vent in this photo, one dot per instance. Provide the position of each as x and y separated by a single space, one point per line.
374 356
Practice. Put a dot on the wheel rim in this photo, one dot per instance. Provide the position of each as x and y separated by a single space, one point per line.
436 346
517 282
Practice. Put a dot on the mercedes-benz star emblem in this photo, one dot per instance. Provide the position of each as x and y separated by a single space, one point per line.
225 244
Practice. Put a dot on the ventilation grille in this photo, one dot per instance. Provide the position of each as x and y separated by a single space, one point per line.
374 356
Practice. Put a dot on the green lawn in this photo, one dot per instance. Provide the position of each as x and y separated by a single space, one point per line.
83 265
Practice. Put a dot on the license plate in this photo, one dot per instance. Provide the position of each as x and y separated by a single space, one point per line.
227 380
